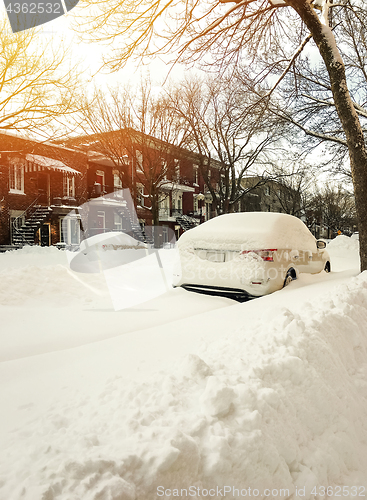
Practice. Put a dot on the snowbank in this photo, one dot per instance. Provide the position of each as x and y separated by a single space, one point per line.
40 277
275 406
344 252
274 397
344 243
32 255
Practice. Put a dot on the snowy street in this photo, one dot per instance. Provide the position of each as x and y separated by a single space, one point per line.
183 390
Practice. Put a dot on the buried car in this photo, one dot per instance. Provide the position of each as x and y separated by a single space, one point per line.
248 254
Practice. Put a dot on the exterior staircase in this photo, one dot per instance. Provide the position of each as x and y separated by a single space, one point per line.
132 226
186 222
25 234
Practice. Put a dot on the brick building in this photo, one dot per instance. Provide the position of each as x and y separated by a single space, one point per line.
56 194
39 184
164 180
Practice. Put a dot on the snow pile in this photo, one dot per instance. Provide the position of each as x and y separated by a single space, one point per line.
32 255
40 276
252 231
344 252
344 243
53 285
279 403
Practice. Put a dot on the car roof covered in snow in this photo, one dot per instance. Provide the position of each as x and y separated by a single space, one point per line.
253 231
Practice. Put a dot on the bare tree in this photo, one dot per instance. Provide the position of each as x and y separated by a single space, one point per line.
334 207
307 91
36 85
228 32
295 188
137 132
234 138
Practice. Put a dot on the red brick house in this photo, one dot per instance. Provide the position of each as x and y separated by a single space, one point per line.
44 188
164 180
39 184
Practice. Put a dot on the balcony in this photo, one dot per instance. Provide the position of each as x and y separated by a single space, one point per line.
63 200
169 214
165 214
176 212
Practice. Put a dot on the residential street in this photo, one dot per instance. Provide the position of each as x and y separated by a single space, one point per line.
124 398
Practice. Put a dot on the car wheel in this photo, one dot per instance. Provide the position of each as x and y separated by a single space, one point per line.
327 267
289 277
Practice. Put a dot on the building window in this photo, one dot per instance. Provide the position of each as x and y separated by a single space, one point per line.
101 221
164 168
117 183
70 230
267 190
16 176
68 186
208 207
164 210
177 201
177 169
196 204
165 234
196 174
100 180
139 161
140 195
117 222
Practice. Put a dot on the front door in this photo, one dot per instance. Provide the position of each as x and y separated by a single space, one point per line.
45 235
101 221
44 188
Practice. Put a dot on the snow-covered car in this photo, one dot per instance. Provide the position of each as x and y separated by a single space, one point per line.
248 254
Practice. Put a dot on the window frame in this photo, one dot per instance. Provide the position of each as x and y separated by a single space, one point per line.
68 188
16 167
65 223
139 160
140 195
196 174
177 169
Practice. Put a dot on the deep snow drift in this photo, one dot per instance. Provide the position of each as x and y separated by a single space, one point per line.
184 390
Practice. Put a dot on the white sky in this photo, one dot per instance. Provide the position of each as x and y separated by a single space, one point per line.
90 56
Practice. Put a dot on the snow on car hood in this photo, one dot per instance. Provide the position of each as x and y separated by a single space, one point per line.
251 230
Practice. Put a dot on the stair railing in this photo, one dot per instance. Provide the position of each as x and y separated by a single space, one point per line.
24 214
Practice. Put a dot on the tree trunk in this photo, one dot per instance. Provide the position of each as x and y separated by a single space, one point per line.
157 233
325 41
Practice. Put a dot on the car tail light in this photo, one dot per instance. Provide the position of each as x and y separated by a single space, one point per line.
266 255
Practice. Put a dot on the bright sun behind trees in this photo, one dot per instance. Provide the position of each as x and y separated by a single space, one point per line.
38 84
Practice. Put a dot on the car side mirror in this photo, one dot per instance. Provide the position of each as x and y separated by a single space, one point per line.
321 245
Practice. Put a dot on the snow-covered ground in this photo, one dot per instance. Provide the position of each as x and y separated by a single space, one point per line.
184 391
